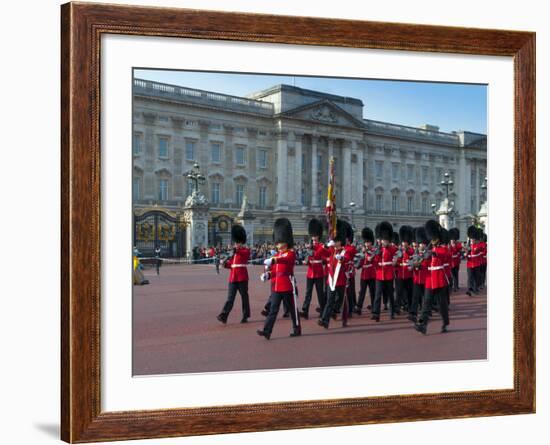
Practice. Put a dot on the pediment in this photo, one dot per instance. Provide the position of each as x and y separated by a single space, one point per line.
325 112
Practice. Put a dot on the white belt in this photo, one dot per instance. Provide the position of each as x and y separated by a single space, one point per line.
315 261
456 256
436 268
238 265
387 263
366 266
446 265
473 256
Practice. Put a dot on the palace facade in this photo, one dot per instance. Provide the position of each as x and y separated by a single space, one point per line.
274 146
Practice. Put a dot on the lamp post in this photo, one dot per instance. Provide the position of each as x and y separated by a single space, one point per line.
196 176
447 183
352 207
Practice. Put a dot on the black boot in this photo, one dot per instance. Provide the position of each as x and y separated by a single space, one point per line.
304 314
244 320
222 318
263 333
421 327
296 332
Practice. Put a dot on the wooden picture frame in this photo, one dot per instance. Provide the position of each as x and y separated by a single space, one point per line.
82 26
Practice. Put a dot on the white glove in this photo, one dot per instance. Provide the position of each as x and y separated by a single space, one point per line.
339 256
330 243
268 262
273 252
265 276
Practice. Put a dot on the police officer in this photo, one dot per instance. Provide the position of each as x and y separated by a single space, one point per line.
238 275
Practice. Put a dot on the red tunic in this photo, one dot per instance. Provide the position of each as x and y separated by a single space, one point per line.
333 264
368 271
436 279
420 273
316 261
237 263
282 269
455 254
474 257
352 251
402 266
484 253
384 263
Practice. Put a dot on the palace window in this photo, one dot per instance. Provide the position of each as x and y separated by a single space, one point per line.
215 193
262 197
163 147
410 173
240 156
319 163
136 192
425 175
262 158
394 203
439 174
216 151
379 205
137 143
425 204
379 169
473 179
395 171
410 204
163 189
239 194
190 150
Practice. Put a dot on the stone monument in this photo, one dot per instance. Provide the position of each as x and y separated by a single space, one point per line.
246 219
446 213
195 214
482 215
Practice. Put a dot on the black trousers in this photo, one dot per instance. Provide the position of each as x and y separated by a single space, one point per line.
274 303
334 296
384 290
404 291
158 264
371 284
417 297
454 282
352 295
242 287
473 279
319 284
431 295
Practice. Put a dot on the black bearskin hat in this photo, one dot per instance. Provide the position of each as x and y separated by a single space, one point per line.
385 231
445 237
349 231
472 232
484 237
420 235
433 229
315 228
282 232
454 234
238 234
395 238
406 234
341 231
367 234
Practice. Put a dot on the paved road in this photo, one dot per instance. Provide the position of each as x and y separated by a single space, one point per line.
176 331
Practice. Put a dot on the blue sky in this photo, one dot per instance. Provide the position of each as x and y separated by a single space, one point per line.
449 106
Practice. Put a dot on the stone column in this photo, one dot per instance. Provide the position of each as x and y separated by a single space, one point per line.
314 172
360 177
282 168
298 181
228 192
346 173
251 158
203 156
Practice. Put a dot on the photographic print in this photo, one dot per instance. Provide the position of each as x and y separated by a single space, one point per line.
295 222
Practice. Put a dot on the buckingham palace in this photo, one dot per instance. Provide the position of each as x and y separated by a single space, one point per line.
272 150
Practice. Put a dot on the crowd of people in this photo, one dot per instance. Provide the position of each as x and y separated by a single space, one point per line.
258 252
412 271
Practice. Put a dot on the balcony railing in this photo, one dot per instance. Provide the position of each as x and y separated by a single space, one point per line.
201 97
411 132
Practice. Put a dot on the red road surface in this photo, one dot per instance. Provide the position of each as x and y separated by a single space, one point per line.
175 329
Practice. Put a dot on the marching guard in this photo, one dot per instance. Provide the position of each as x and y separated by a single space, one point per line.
419 264
383 261
404 274
436 280
368 274
283 283
351 251
238 275
474 251
315 268
337 280
456 256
